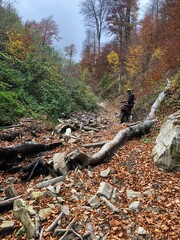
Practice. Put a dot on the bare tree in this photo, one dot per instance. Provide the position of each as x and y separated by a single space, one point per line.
94 12
70 51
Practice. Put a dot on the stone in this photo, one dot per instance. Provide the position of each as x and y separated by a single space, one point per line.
115 194
141 231
149 192
65 210
7 225
51 189
59 163
21 213
94 202
31 210
36 195
44 213
105 173
135 206
132 194
60 199
166 151
105 189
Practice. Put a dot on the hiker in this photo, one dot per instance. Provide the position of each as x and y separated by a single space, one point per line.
127 107
130 101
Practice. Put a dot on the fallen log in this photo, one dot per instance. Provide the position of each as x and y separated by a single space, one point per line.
97 144
9 136
18 151
8 202
50 182
109 148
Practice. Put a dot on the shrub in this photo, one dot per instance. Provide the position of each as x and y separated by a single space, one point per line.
10 108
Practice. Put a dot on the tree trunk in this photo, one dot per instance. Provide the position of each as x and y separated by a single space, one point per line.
109 148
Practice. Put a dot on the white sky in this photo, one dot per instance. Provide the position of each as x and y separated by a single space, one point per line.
66 15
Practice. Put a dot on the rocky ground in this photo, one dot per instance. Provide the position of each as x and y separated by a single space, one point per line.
125 197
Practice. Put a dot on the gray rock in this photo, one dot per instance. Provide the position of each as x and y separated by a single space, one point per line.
135 206
167 149
132 194
149 192
51 188
21 213
105 189
141 231
65 210
59 163
105 172
94 202
44 213
60 199
7 225
115 194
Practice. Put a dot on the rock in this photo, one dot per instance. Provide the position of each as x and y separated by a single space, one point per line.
167 149
115 194
135 206
149 192
132 194
94 202
105 189
59 163
21 213
105 173
58 189
51 189
6 226
11 180
65 210
60 199
36 195
44 213
141 231
31 210
90 174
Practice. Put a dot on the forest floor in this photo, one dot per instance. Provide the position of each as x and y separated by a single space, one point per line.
131 168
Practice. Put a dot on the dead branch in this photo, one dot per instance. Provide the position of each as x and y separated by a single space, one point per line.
66 231
8 202
37 225
50 182
97 144
55 223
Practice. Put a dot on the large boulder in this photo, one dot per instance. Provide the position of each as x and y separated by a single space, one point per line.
166 152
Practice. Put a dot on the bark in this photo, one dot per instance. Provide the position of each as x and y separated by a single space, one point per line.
160 98
50 182
18 151
109 148
9 136
8 202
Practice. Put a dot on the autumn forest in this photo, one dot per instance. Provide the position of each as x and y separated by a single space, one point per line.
73 164
141 54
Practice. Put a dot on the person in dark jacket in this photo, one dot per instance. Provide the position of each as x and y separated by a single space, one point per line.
130 101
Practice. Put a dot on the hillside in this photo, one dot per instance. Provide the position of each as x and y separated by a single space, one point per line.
130 168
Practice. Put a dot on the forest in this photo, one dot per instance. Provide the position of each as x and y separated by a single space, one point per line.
37 80
69 168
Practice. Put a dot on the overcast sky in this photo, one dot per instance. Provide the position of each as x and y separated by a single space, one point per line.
66 15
